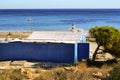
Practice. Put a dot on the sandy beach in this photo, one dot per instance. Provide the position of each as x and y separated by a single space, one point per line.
9 35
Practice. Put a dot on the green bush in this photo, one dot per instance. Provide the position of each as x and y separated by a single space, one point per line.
115 73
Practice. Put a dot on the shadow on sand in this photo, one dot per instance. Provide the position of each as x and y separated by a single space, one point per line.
101 63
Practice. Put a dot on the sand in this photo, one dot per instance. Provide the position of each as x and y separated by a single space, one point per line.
8 35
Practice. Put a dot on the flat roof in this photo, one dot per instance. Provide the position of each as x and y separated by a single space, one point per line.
55 36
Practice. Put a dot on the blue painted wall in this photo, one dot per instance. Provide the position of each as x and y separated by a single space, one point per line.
44 52
83 51
47 52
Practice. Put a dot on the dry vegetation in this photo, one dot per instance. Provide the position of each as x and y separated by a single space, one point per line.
78 71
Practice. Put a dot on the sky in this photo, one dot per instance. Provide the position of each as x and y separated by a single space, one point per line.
51 4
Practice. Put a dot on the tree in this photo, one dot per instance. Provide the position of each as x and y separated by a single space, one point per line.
115 49
105 36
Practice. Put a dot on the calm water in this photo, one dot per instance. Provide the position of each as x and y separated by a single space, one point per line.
58 19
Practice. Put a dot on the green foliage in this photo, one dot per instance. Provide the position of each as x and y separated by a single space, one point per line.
115 73
108 37
104 35
115 49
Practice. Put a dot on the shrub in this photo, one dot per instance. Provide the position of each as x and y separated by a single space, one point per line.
115 73
11 75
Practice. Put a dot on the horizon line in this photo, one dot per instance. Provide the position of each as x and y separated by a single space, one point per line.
59 8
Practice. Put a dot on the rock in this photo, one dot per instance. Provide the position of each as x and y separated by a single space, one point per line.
97 75
22 70
29 74
67 68
1 67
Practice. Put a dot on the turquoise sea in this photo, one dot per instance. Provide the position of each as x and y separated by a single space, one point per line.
57 19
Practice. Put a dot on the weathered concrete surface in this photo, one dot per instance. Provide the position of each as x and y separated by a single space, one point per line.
47 36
